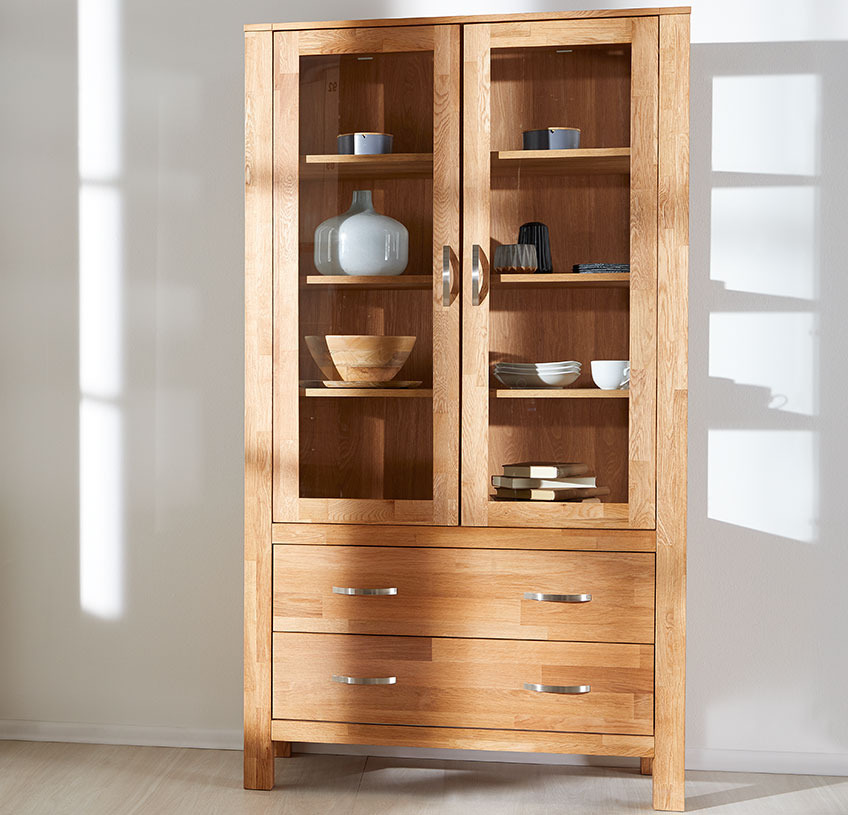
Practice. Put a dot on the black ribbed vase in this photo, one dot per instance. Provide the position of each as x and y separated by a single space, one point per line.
536 233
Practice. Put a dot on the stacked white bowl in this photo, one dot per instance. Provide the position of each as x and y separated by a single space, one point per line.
537 374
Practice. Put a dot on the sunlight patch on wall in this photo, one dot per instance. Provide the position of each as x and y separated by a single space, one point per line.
100 296
766 480
99 99
101 248
101 509
775 352
766 124
763 240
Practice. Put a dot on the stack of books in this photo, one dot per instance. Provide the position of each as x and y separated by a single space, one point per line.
601 268
547 481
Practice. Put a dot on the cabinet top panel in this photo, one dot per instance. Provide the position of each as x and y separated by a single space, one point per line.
483 18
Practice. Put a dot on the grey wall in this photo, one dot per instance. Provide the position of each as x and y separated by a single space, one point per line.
132 629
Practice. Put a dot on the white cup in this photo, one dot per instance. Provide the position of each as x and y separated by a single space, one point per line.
611 374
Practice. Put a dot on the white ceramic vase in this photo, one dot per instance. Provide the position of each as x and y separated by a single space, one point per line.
361 241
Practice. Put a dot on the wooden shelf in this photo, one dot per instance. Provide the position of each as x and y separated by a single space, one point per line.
370 393
573 279
403 281
594 160
558 393
386 164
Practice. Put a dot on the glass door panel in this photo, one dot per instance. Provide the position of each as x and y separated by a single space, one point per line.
366 374
592 294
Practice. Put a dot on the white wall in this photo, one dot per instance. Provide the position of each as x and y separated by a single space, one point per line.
144 452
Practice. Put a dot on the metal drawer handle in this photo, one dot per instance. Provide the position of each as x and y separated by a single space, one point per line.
557 598
557 688
364 680
365 592
446 276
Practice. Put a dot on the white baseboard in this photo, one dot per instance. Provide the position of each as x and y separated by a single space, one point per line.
18 729
767 761
739 761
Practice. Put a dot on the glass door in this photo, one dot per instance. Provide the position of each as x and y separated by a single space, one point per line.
366 275
559 341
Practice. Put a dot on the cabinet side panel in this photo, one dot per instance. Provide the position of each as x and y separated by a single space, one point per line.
643 273
446 194
672 305
475 319
286 243
258 749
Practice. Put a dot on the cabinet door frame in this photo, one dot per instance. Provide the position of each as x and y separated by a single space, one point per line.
289 46
642 33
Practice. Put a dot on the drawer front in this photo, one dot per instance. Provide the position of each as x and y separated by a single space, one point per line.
590 596
464 683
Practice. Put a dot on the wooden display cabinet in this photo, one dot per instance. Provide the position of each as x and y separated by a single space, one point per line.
375 550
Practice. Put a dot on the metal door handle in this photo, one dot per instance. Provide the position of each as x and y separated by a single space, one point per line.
476 275
446 275
557 598
365 592
364 680
557 688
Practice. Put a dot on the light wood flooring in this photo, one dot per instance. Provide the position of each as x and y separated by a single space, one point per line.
67 779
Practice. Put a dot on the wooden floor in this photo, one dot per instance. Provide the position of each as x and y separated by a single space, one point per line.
67 779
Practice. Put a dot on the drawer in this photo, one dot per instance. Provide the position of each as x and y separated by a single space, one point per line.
592 596
464 683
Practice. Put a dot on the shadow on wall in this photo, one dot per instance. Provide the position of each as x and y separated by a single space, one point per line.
768 342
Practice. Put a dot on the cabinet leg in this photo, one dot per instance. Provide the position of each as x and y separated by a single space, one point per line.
258 764
646 766
282 749
668 784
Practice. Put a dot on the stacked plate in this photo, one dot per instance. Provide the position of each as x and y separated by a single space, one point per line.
537 374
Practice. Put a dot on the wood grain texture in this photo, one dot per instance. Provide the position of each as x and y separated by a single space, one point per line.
391 93
370 475
388 164
377 451
588 220
375 40
258 180
370 448
464 593
368 393
646 766
464 683
477 147
466 537
365 511
285 220
601 279
591 430
385 453
479 18
541 514
539 34
583 161
643 273
446 231
405 281
564 393
523 741
672 311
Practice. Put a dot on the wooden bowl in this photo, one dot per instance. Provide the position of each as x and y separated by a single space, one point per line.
321 354
368 358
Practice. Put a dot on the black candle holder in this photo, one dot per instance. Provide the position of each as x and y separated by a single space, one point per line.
537 234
